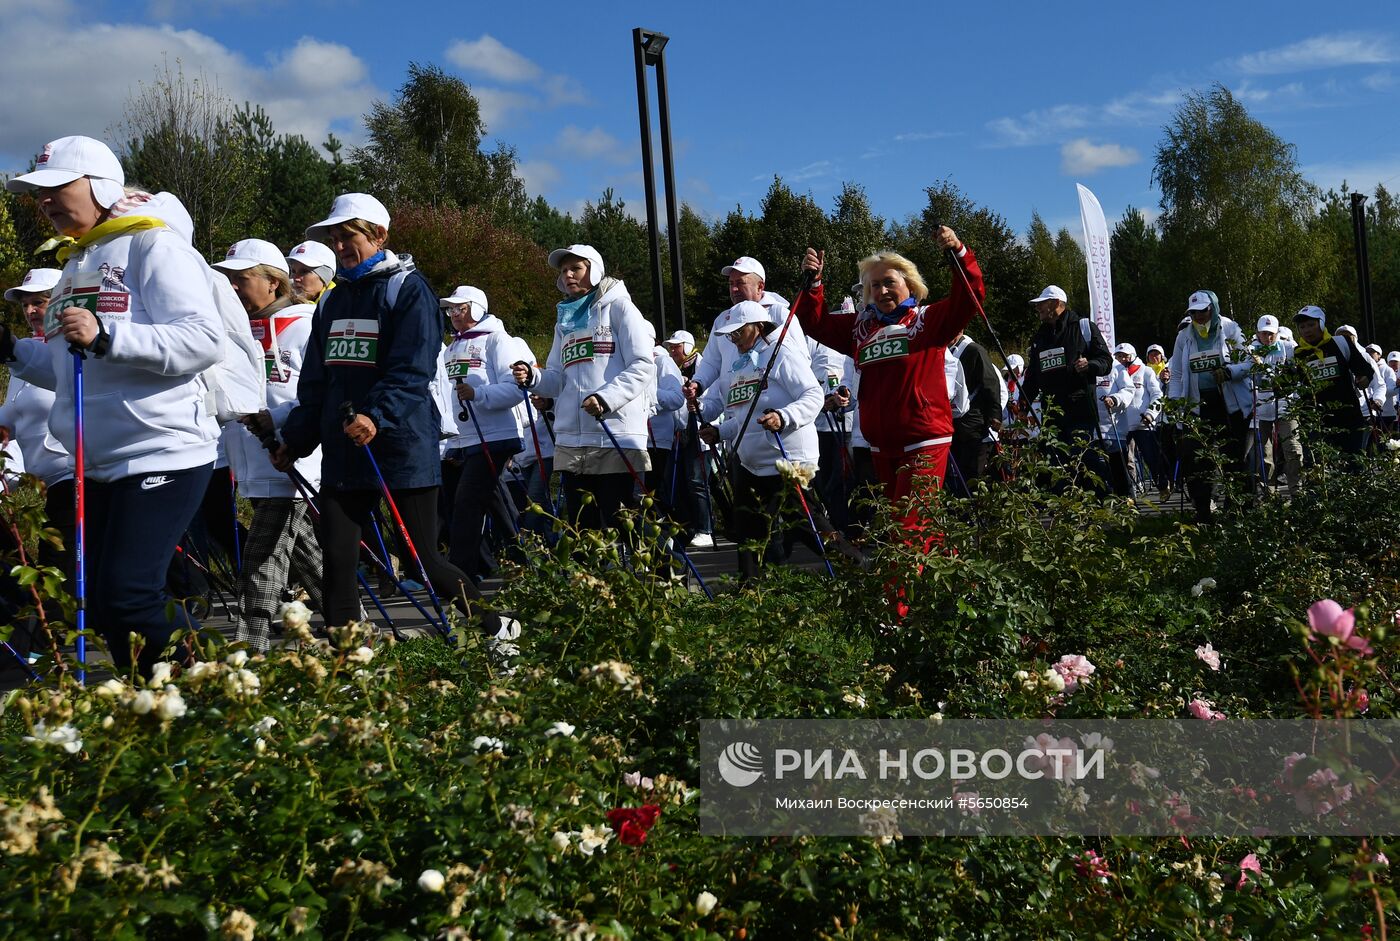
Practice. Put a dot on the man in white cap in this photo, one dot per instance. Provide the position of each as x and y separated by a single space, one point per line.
1066 357
1339 368
747 282
1372 395
1272 432
692 484
312 268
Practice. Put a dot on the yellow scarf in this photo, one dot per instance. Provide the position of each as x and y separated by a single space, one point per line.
1305 349
125 225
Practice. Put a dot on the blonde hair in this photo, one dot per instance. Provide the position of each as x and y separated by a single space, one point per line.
915 281
282 285
375 233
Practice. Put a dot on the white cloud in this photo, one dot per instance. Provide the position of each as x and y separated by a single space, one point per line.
1360 175
1040 126
537 175
1053 124
593 144
1379 81
1082 157
308 89
490 57
812 171
927 135
1318 52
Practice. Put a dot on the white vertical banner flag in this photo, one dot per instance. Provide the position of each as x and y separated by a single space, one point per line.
1100 277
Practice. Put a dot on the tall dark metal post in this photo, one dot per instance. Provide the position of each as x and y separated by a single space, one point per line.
1363 266
649 179
668 173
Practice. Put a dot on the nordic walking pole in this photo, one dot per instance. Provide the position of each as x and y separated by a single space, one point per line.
80 514
233 501
802 498
347 414
642 485
539 454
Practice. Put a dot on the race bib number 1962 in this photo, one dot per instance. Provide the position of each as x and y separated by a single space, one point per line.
352 343
883 348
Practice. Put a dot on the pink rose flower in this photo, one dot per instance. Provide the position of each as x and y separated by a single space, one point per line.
1073 668
1328 619
1204 709
1209 656
1247 865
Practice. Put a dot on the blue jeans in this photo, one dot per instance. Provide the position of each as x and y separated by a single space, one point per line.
133 525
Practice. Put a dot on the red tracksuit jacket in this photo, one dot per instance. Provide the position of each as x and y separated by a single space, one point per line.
903 392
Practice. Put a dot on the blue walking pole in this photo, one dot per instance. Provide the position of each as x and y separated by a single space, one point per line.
802 498
675 466
677 550
491 465
539 454
347 411
80 507
237 547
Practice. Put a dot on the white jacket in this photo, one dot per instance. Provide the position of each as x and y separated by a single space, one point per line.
1127 398
610 357
482 359
668 412
284 336
1228 347
1132 400
719 353
26 414
1261 381
144 401
1388 377
792 391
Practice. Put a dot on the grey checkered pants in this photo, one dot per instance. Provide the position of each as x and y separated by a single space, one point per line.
281 540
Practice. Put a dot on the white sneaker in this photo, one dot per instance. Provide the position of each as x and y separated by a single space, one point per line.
509 630
702 541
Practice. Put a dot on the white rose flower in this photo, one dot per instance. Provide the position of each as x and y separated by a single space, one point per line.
237 659
264 725
110 689
488 743
431 881
705 903
160 674
360 655
560 728
1055 680
259 746
559 842
171 705
293 615
144 702
108 722
64 737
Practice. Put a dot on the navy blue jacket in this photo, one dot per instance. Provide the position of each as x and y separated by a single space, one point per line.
383 364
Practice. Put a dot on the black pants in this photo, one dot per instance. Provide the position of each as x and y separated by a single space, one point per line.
1219 443
759 500
968 454
611 492
479 492
345 517
835 472
212 532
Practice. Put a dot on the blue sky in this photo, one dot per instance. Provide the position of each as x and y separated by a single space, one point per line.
1014 103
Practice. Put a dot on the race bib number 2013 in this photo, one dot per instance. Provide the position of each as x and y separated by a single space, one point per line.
353 343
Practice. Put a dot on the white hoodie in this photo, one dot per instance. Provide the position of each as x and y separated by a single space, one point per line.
26 414
1134 394
1229 343
482 359
284 336
610 357
792 391
668 412
719 353
144 401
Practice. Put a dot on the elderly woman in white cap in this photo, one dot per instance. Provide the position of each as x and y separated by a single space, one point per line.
788 406
599 373
371 358
1131 402
1271 430
282 538
489 426
134 300
311 266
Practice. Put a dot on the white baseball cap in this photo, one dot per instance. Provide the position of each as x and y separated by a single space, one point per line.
36 281
1374 348
745 265
1392 356
250 253
466 294
70 158
349 206
588 253
1311 313
1267 323
682 337
742 313
1198 301
1052 293
313 255
1285 333
1125 348
1158 348
1014 361
1346 328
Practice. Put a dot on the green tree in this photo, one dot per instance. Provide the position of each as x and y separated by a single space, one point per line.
1143 312
1383 247
1073 270
1004 259
622 241
426 148
549 227
1236 211
787 225
854 232
734 235
695 258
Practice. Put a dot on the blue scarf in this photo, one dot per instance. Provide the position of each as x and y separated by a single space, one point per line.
894 316
362 269
574 314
